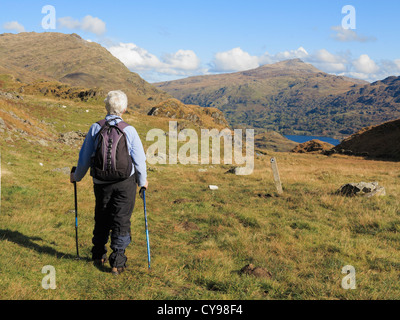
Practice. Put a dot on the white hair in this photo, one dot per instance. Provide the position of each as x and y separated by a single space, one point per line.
116 102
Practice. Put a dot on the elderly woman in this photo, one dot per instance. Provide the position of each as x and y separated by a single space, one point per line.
115 200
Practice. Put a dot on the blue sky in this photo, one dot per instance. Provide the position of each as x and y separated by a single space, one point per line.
165 40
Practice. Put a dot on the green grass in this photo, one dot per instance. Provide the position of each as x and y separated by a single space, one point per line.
200 239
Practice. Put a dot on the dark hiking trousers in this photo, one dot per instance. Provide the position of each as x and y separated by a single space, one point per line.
113 211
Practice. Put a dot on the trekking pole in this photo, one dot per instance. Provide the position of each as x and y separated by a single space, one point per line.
76 215
143 195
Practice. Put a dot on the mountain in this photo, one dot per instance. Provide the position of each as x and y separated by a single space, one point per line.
276 97
69 59
379 141
363 106
66 67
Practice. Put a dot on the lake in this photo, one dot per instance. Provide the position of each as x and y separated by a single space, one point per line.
301 139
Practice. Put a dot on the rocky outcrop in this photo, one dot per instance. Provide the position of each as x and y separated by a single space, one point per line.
72 138
62 91
201 117
10 95
313 146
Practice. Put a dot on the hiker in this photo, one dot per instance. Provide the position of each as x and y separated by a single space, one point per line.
115 196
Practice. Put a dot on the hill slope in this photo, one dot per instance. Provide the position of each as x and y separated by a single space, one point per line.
374 142
272 140
363 106
75 61
275 97
200 238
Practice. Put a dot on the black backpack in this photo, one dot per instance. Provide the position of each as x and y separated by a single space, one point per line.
112 161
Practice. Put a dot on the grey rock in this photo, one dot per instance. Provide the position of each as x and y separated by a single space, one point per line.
73 138
367 189
239 171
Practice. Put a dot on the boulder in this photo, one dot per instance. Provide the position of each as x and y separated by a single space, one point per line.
367 189
240 171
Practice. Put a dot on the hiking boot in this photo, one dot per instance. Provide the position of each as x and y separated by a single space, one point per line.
116 271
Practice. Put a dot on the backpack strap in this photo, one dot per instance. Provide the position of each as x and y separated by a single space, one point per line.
122 125
101 122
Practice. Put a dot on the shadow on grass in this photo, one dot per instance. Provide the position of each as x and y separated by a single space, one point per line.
28 242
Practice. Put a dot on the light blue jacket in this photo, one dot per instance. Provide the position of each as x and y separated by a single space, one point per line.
135 149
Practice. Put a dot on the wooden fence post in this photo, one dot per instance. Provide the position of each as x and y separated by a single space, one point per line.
277 179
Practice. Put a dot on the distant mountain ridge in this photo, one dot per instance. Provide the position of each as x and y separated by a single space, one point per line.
292 97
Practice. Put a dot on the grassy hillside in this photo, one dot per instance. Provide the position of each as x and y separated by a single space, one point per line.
274 141
374 142
200 239
363 106
68 58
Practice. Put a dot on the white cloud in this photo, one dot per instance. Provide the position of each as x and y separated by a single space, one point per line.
234 60
364 64
357 75
137 59
239 60
182 59
185 63
267 58
299 53
328 62
348 35
367 69
134 57
14 25
69 23
88 24
342 64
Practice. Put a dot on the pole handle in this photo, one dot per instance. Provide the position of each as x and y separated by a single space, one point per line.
142 192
